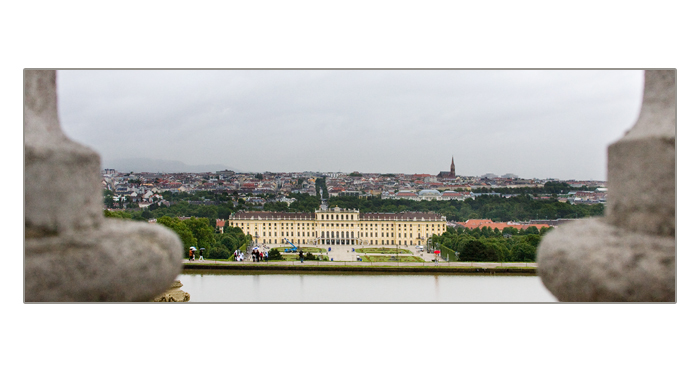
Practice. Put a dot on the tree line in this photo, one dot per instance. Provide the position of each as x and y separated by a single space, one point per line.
549 188
199 233
491 245
496 208
521 207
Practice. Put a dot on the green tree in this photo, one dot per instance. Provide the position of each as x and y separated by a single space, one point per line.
117 214
523 252
217 253
202 231
274 255
108 198
229 242
480 251
186 237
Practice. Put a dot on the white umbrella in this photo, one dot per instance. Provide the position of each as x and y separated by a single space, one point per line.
193 248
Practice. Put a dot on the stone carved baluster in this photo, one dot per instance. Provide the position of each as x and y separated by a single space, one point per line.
630 254
71 252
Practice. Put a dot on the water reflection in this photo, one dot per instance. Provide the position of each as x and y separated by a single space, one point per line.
437 287
233 287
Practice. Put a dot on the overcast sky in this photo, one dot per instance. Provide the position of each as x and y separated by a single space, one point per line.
533 123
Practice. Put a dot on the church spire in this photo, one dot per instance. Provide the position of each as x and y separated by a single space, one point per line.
452 167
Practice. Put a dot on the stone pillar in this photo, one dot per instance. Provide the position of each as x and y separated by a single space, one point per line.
630 254
71 252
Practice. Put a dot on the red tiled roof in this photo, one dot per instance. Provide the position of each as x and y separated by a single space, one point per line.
477 224
470 224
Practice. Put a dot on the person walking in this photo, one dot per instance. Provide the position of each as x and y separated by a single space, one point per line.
191 255
301 256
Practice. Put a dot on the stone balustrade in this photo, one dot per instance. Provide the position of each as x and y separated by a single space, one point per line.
71 252
630 254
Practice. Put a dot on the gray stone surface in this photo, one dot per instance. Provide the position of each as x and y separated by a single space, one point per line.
71 252
174 294
630 254
120 261
62 189
595 261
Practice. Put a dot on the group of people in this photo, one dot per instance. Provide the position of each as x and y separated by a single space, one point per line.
193 254
237 255
257 255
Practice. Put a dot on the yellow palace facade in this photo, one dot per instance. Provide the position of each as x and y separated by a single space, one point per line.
337 226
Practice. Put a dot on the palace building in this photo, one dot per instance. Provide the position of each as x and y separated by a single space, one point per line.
338 226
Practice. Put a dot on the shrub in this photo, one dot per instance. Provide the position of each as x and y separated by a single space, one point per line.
274 255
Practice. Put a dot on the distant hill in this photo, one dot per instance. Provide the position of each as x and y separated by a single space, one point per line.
158 165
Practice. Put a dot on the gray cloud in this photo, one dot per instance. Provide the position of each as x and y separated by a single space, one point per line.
534 123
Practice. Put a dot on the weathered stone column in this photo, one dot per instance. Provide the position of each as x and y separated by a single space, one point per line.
630 254
71 252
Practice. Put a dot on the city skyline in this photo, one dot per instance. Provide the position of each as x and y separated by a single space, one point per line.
438 176
533 123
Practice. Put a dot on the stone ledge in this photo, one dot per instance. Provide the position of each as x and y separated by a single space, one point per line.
591 260
174 294
365 269
120 261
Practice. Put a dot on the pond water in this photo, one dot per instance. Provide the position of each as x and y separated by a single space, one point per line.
375 288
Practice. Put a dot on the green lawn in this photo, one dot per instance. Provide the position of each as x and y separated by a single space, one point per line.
293 256
366 258
313 250
383 250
